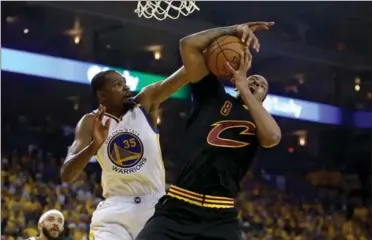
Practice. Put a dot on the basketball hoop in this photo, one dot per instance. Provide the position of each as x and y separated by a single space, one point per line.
165 9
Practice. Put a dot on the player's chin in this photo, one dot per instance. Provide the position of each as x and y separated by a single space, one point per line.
258 96
127 99
54 233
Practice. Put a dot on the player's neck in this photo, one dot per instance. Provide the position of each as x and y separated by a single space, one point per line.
120 112
114 112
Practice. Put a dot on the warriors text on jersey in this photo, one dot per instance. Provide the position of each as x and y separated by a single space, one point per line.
130 157
220 142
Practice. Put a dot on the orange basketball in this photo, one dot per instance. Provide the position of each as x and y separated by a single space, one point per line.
224 49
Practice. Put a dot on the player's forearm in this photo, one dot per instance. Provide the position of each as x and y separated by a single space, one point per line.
169 86
75 163
268 131
201 40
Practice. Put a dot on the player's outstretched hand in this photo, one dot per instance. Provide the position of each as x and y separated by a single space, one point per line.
100 131
246 32
240 75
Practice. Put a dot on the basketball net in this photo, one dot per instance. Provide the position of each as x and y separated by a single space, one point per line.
161 10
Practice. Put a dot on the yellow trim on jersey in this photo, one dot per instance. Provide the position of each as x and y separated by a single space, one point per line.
112 116
160 155
200 199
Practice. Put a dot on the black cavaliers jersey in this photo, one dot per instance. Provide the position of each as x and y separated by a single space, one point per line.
219 144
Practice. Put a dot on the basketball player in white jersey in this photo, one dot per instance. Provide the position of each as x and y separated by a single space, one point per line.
122 134
50 226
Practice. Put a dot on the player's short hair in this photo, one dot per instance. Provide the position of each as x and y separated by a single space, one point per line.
98 81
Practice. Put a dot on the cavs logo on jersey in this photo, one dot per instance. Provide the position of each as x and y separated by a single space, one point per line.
214 137
125 151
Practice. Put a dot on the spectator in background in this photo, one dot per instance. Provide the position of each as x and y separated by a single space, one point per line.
51 226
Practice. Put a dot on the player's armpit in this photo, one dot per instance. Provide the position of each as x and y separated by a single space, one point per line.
158 92
81 150
208 88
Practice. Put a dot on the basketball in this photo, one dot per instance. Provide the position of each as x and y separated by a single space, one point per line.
224 49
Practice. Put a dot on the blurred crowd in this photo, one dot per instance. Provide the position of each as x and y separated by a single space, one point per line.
269 214
28 191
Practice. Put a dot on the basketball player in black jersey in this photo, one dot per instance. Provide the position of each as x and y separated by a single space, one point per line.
223 134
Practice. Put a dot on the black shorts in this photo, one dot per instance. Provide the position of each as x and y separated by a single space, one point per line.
176 219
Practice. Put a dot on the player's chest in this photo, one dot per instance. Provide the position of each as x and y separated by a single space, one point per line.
230 126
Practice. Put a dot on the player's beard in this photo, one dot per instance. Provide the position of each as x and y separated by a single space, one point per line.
48 236
128 104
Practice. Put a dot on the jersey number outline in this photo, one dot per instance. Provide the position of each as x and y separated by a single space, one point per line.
214 138
225 110
129 143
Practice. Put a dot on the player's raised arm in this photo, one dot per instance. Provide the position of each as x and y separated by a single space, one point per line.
158 92
89 136
253 91
192 46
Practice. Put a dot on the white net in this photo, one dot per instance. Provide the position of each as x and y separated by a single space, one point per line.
161 10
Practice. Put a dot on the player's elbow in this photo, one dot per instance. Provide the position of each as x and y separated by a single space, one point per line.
184 42
271 140
66 176
188 44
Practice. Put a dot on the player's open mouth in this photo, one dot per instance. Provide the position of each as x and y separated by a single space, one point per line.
252 88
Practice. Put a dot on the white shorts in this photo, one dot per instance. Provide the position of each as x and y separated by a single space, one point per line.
122 217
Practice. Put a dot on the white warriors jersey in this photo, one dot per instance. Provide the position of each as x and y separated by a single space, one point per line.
130 158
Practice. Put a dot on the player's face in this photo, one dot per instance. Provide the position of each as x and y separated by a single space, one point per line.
52 226
258 86
116 89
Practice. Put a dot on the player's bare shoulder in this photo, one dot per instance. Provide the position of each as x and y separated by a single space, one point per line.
86 121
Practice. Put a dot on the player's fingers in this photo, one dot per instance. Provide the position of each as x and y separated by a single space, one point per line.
99 110
242 60
102 112
255 43
261 23
244 35
96 122
107 123
230 68
249 40
247 59
259 28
